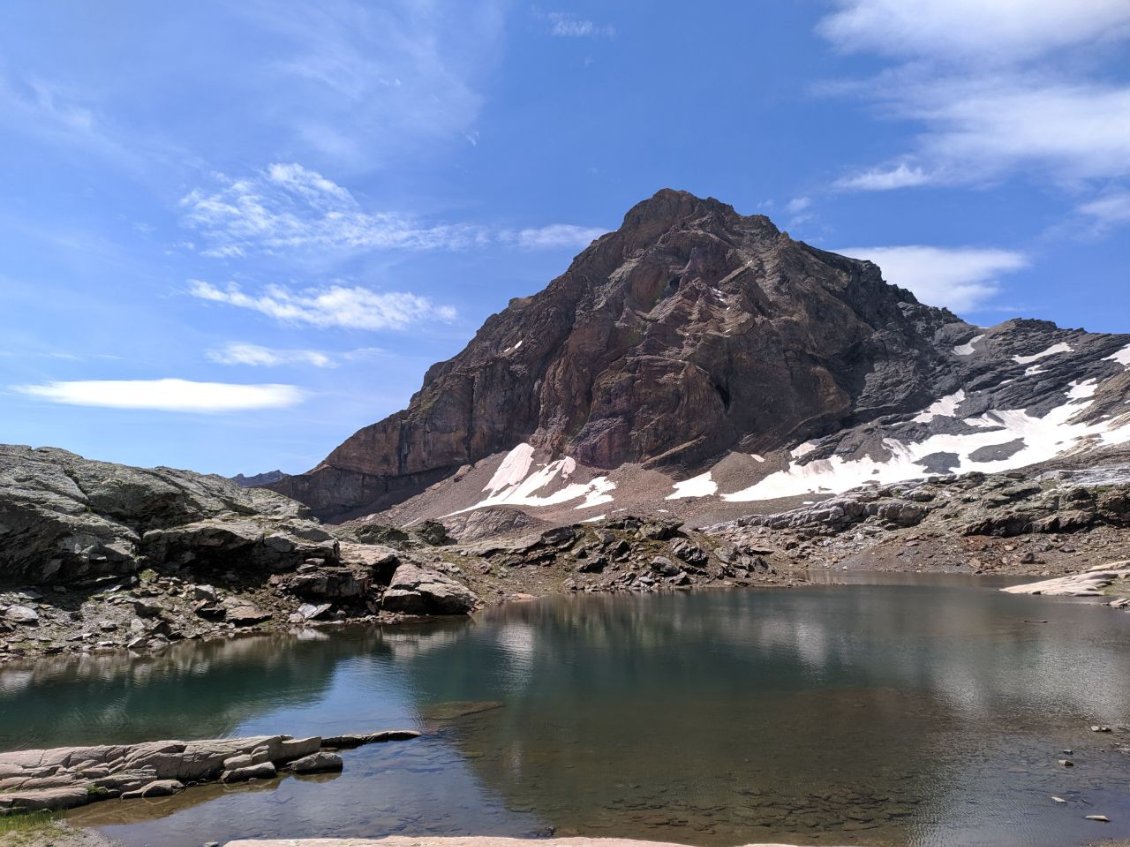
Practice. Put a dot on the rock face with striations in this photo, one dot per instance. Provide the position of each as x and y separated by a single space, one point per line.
65 518
689 331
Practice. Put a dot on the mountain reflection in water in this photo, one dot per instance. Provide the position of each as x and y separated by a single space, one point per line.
930 712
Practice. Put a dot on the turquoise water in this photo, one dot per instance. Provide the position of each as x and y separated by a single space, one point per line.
930 711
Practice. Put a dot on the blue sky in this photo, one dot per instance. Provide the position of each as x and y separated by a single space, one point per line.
234 233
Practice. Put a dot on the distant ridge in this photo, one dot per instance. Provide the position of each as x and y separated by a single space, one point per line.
258 480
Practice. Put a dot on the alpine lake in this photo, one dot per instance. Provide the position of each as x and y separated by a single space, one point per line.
874 710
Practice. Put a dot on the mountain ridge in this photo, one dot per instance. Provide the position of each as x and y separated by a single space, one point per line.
689 333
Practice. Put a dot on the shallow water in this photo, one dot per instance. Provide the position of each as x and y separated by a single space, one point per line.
915 710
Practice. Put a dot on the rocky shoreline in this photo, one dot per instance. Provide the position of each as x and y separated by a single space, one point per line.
68 777
200 558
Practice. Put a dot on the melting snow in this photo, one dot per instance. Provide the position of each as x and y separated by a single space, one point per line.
943 408
513 469
1043 439
967 348
514 485
1062 347
803 449
1083 390
699 486
1122 356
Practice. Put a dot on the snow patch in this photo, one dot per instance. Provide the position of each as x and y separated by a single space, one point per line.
1043 439
1062 347
514 468
967 348
757 457
943 408
1122 356
1083 390
514 485
1033 371
515 347
802 450
594 518
702 485
597 492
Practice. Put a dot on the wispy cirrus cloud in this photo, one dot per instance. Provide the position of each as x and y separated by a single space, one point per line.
960 278
553 236
165 395
347 307
1108 210
885 178
973 31
255 355
361 83
566 25
287 207
997 88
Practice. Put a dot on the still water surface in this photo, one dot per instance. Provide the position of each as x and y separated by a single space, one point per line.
923 711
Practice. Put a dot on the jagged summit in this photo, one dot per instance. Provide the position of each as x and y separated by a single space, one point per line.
690 333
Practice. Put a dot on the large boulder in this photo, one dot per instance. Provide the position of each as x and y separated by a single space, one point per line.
420 591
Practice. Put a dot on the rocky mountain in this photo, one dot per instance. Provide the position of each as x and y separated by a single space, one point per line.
257 480
700 360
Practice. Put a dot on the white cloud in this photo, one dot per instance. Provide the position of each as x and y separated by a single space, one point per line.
885 179
565 25
959 278
363 83
1109 210
290 207
554 236
166 395
798 205
350 307
237 353
974 30
985 106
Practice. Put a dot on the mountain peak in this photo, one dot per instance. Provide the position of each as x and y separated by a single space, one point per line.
690 331
669 207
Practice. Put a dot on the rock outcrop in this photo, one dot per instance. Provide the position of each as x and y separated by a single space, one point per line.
692 332
64 519
66 777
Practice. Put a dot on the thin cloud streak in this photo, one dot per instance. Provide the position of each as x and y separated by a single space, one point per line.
347 307
255 355
166 395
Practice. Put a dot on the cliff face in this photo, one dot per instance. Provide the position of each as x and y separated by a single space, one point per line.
690 331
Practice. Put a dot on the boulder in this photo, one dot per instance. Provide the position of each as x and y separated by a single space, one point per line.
21 615
156 788
246 615
264 770
419 591
320 762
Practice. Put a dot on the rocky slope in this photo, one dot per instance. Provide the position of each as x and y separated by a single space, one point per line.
97 556
701 347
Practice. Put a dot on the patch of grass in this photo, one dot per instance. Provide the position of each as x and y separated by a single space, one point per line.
27 821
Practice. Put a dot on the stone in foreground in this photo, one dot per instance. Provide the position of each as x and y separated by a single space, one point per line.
476 841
